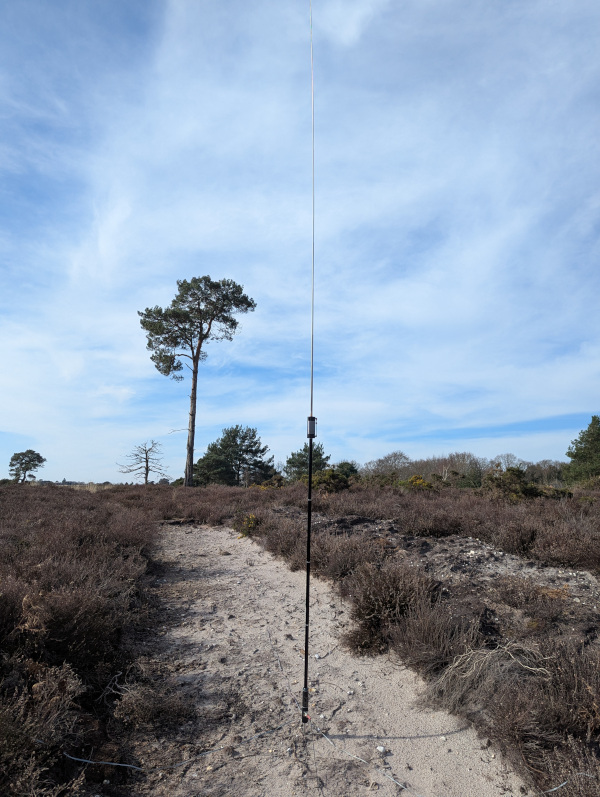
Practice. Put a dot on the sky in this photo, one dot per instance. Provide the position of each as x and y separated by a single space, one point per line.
457 224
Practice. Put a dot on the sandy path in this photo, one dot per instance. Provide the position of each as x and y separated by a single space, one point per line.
238 649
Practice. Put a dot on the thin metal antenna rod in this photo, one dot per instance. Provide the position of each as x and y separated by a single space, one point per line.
312 296
312 421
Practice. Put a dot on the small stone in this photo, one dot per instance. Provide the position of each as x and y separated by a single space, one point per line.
381 749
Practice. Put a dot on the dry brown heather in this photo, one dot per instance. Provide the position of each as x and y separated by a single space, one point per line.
71 565
476 591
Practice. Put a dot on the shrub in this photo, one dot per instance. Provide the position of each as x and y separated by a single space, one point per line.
381 595
246 524
329 481
430 637
337 557
38 718
71 585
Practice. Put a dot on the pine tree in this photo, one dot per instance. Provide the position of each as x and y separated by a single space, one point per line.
296 465
237 458
584 453
203 310
23 463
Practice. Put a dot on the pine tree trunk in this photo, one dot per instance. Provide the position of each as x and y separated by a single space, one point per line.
189 462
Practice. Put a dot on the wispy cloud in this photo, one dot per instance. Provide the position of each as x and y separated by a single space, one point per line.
457 234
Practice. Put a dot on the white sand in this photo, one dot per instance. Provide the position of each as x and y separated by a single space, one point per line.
243 633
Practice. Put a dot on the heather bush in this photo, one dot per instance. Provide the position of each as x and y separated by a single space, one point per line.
563 532
70 586
381 596
541 605
286 537
575 766
472 680
337 557
431 636
540 702
39 716
556 703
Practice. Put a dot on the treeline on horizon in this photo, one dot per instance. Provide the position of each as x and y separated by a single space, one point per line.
457 469
239 459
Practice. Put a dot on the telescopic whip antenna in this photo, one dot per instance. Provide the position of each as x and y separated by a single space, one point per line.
312 421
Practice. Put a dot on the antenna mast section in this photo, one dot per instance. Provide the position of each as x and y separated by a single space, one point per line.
312 421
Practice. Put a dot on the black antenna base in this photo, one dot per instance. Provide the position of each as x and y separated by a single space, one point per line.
305 717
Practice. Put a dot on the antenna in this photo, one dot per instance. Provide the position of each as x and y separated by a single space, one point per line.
312 421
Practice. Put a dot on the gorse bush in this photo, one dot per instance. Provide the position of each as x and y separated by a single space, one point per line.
246 524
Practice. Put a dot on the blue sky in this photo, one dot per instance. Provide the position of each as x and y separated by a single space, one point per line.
457 223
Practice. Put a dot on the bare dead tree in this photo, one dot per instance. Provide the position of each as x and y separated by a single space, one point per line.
144 460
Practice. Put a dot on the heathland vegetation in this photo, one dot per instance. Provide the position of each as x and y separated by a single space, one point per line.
514 647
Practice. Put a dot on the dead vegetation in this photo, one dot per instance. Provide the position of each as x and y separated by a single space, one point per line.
71 570
482 594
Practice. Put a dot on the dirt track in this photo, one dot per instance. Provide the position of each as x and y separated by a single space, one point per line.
233 644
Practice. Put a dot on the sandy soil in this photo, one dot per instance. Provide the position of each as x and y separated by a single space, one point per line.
232 642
